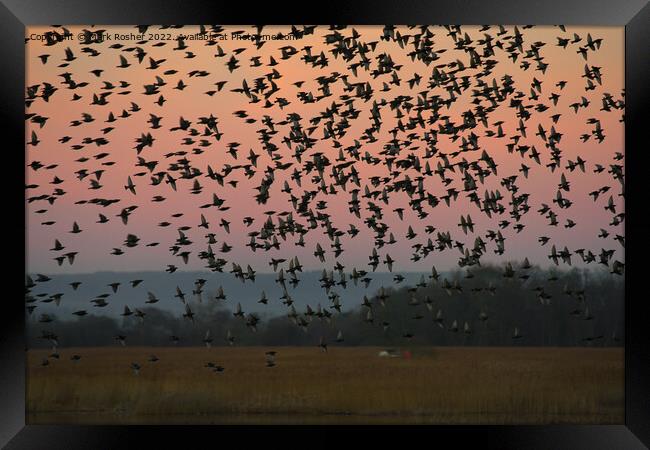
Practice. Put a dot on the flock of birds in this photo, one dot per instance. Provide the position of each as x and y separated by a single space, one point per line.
309 160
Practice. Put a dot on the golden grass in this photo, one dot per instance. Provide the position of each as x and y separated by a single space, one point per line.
345 385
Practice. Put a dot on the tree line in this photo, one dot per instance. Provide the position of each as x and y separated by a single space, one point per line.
537 307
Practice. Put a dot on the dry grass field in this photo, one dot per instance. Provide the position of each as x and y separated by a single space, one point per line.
343 386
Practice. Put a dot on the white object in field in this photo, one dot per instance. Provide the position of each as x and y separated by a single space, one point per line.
389 353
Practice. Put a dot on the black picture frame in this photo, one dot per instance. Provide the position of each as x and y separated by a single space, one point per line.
634 15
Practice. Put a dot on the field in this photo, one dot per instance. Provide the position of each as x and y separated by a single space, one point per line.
346 385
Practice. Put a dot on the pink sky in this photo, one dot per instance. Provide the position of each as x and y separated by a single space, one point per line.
97 240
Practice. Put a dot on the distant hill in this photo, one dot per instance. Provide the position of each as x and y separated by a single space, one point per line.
163 285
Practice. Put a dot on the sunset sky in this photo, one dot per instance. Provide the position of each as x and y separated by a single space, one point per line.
96 241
